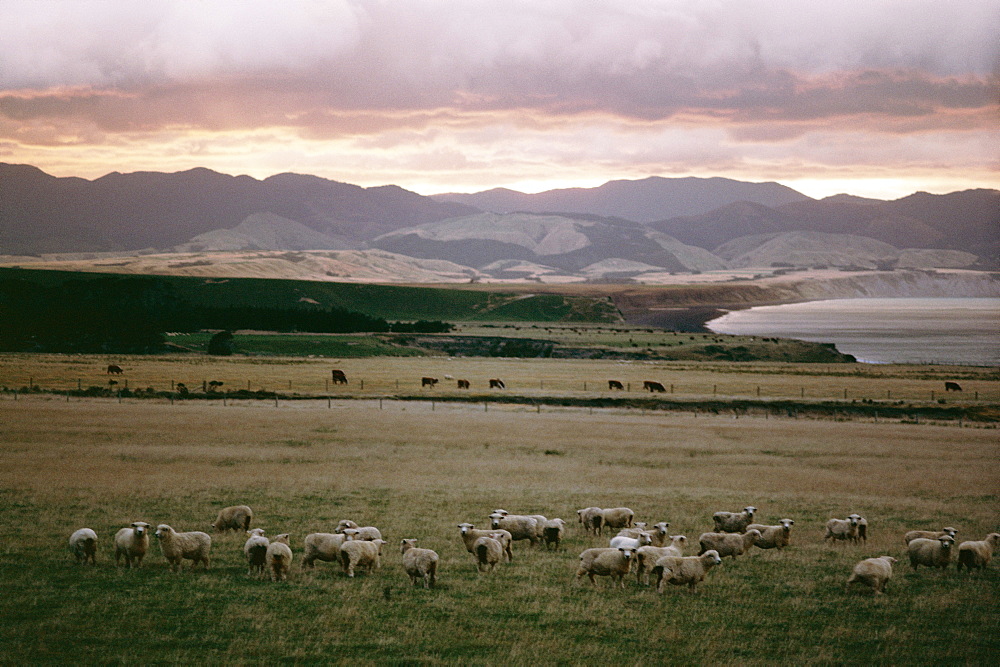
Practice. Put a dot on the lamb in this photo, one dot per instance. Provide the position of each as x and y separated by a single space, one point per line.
488 551
873 572
646 557
520 526
470 535
193 546
419 563
552 532
279 557
977 554
842 529
728 544
592 519
617 517
690 570
605 562
733 522
237 517
928 534
773 537
324 547
83 545
133 543
255 550
932 553
644 539
361 554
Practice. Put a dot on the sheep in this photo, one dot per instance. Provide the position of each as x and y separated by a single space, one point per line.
520 527
728 544
932 553
659 535
617 517
488 551
539 521
83 545
552 532
237 517
644 539
343 524
419 563
637 527
361 554
842 529
646 557
470 535
606 562
367 533
255 550
688 570
324 547
133 543
733 522
928 534
873 572
773 537
977 554
862 530
193 546
279 557
592 519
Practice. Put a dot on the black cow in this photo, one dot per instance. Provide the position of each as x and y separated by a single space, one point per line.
339 377
952 386
428 382
114 370
615 384
463 384
497 383
653 386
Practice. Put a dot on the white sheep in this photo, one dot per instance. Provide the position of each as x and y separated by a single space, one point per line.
873 572
344 523
660 534
644 539
592 519
367 533
689 570
193 546
728 544
929 534
324 547
540 521
977 554
83 546
773 537
237 517
470 535
637 527
488 551
520 526
133 543
932 553
419 563
606 562
365 554
646 557
255 550
842 529
552 532
734 522
279 557
617 517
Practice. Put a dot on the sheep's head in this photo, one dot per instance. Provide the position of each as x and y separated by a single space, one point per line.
406 545
140 527
465 527
256 532
344 523
853 519
163 530
640 525
349 534
749 510
283 538
678 540
787 523
500 512
946 541
661 528
949 531
993 539
627 552
711 556
495 520
645 538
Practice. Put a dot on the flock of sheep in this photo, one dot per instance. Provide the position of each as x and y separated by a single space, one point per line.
650 550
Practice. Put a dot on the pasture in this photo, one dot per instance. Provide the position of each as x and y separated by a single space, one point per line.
415 472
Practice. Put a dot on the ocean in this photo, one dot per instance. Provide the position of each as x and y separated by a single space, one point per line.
905 331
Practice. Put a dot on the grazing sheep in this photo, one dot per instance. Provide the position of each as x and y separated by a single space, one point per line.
255 550
977 554
932 553
646 557
617 517
644 540
773 537
193 546
343 524
592 519
470 535
928 534
552 532
361 554
324 547
237 517
367 533
603 562
539 521
873 572
488 551
690 570
419 563
842 529
728 544
133 543
520 526
637 527
83 545
733 522
279 557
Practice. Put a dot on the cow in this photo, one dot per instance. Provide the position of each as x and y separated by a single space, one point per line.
114 369
653 386
615 384
428 382
213 386
463 384
497 383
338 377
952 386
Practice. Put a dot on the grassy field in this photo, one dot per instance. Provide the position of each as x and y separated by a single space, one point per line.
418 473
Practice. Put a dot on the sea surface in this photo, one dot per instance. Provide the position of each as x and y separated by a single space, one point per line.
908 331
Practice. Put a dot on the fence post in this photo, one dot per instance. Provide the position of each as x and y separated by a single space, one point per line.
671 388
363 385
932 394
585 385
845 393
802 392
486 406
78 385
380 404
715 388
758 391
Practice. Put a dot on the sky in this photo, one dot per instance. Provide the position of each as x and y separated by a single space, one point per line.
873 98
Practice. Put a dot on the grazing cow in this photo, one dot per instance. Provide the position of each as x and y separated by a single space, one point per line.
182 389
339 377
463 384
114 369
428 382
952 386
653 386
615 384
497 383
213 386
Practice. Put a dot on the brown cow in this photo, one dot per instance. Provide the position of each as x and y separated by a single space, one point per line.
615 384
497 383
653 386
428 382
114 369
952 386
339 377
463 384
